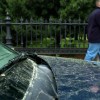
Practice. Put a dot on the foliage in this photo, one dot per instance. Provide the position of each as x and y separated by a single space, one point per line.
46 8
3 6
32 8
76 8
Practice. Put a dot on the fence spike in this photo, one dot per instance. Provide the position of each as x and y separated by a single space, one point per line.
79 20
45 21
41 20
65 20
84 21
50 20
31 20
69 20
1 21
21 19
75 21
26 21
60 20
16 20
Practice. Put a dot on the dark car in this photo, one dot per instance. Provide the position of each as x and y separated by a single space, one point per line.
35 77
25 77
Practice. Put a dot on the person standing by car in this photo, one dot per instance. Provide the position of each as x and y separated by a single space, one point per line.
93 30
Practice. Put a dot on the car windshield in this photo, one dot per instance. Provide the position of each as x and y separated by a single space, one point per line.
6 54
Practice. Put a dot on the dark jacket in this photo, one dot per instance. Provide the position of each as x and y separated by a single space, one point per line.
94 26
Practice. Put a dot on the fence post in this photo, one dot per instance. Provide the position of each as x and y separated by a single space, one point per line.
8 34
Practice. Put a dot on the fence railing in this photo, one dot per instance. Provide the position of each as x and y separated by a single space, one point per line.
45 36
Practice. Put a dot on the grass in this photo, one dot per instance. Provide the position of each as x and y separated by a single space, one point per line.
71 42
68 42
46 42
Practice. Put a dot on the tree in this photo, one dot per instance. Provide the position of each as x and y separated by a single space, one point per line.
75 9
17 8
33 8
3 6
46 8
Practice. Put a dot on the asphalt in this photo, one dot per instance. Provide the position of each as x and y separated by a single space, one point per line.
76 79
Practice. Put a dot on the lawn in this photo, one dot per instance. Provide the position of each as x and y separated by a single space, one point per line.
64 43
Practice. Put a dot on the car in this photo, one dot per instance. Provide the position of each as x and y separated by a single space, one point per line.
28 76
25 76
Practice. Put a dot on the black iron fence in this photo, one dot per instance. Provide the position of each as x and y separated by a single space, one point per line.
45 36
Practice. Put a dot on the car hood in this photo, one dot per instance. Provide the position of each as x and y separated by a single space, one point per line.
27 80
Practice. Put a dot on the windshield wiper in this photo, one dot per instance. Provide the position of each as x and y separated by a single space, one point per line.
18 58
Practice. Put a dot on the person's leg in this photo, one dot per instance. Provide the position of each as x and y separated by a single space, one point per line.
99 52
92 51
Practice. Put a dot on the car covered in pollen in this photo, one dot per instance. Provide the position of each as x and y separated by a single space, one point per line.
25 76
